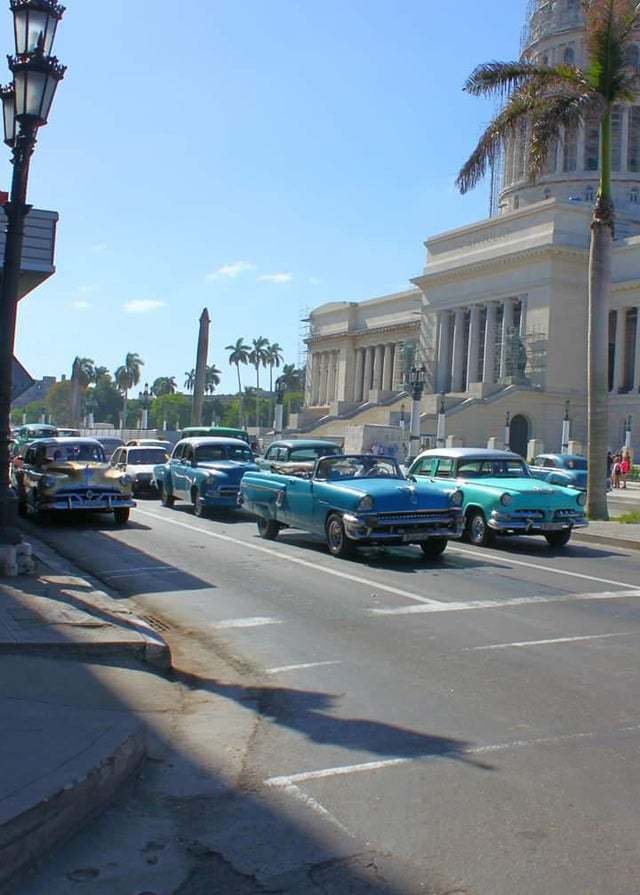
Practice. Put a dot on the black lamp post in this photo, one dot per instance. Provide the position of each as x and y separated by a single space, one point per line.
145 402
281 390
26 104
507 431
566 428
417 377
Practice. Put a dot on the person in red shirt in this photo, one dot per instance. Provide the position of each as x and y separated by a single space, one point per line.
625 468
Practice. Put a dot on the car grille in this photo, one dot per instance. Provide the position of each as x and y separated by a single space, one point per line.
559 515
529 514
228 492
417 516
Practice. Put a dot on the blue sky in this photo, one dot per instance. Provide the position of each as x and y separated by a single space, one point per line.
258 157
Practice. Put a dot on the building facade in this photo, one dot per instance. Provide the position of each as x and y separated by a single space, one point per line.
499 313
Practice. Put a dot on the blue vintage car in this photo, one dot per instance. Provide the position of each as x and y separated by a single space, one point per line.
206 472
501 497
561 469
355 500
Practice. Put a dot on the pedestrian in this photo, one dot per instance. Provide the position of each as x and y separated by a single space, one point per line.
617 461
609 470
625 468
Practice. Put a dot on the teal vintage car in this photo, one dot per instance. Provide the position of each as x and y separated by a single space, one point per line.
355 500
206 472
501 497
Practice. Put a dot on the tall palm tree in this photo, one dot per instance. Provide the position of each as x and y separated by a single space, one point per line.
101 374
292 378
212 379
127 376
190 380
546 100
83 373
239 354
164 385
258 358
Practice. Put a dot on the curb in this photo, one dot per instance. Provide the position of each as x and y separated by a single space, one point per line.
52 814
603 540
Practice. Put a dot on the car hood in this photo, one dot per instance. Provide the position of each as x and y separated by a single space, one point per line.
144 468
391 495
233 470
83 473
526 488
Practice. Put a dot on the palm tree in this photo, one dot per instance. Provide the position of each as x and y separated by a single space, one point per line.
127 376
164 385
190 380
547 100
83 373
258 358
292 378
239 354
212 379
101 374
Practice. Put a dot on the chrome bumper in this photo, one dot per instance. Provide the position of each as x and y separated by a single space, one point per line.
108 503
441 525
533 526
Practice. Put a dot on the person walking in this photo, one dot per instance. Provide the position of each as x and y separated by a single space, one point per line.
609 470
617 462
625 468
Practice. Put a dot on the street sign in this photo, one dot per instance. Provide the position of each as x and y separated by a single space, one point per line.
20 380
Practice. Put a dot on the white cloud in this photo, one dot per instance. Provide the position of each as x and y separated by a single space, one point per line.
81 305
275 278
143 305
231 271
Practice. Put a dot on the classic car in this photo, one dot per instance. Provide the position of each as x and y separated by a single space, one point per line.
69 433
561 469
355 500
110 443
139 463
151 442
62 474
31 432
502 497
204 471
295 456
215 432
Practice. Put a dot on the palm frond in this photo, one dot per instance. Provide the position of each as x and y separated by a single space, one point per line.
547 119
503 78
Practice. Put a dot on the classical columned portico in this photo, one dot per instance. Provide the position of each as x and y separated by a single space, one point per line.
489 362
507 326
377 367
368 372
387 367
457 363
358 385
324 368
618 361
444 351
473 351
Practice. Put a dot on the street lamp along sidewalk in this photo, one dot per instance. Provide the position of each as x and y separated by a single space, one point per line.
26 104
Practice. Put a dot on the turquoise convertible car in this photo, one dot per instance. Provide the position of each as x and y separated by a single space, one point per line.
501 497
355 500
206 472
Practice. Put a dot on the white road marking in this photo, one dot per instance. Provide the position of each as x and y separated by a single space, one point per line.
494 646
312 803
472 605
283 668
493 555
255 622
294 779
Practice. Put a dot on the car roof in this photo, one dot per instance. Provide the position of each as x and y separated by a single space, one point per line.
69 440
304 442
468 453
563 456
156 446
198 441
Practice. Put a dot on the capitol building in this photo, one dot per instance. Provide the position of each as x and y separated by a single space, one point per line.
498 315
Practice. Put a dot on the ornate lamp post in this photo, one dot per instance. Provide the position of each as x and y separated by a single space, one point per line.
441 426
416 381
26 105
281 389
566 428
506 439
145 402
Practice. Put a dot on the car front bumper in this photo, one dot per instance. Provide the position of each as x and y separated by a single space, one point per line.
372 530
100 504
531 526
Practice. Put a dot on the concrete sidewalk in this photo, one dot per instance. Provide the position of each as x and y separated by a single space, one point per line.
611 534
68 741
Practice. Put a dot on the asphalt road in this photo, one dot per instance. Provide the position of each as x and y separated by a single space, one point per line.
476 718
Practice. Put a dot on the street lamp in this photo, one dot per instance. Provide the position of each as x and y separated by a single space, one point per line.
441 425
26 105
566 428
145 402
417 377
507 431
281 390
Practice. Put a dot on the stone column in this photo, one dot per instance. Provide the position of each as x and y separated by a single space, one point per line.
368 369
444 352
489 365
507 324
626 112
387 367
316 373
324 371
618 364
396 376
377 367
636 369
473 355
331 377
457 363
358 387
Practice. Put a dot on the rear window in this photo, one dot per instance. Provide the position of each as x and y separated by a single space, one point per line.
576 464
146 457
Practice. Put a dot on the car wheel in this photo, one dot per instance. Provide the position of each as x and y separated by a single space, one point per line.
337 541
121 515
167 500
434 547
558 538
478 532
199 508
268 529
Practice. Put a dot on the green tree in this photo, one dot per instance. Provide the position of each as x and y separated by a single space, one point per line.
106 400
174 409
164 385
127 376
239 354
293 378
190 380
212 379
547 99
59 403
83 373
258 358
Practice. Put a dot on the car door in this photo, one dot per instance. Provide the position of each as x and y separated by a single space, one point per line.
425 467
175 469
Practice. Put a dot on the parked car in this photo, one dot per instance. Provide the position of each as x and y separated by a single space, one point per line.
215 432
151 442
64 474
561 469
293 456
206 472
25 434
501 497
139 463
355 501
69 433
109 444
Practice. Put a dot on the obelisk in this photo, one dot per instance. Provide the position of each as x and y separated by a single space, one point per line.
201 369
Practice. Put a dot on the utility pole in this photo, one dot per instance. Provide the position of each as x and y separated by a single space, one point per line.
201 369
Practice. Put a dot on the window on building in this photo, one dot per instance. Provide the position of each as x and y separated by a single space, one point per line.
634 196
589 194
550 162
544 60
569 56
547 193
570 150
633 153
616 138
592 143
633 57
516 203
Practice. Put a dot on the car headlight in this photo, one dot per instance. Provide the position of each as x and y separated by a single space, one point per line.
456 498
125 480
366 504
506 500
581 498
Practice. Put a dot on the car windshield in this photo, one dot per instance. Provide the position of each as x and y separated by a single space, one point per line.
89 453
575 464
146 457
211 452
492 468
300 455
363 466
